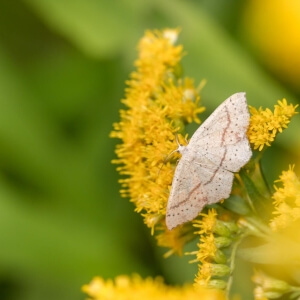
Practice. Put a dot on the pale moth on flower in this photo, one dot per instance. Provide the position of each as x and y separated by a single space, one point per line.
204 174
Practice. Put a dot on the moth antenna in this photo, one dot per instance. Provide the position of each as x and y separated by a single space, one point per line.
170 154
176 150
177 140
186 140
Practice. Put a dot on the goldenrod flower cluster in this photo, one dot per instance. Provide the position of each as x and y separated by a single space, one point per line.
265 124
286 200
175 239
215 234
158 104
134 287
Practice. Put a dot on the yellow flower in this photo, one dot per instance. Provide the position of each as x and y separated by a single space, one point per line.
214 235
268 287
207 223
265 124
216 284
259 294
127 288
207 248
208 270
286 200
158 105
175 239
210 224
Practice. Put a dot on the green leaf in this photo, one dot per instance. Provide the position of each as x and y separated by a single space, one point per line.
237 204
280 251
97 27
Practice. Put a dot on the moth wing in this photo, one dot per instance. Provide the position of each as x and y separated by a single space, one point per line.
222 138
219 186
196 182
187 196
204 174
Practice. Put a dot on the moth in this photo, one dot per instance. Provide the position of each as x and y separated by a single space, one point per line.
205 172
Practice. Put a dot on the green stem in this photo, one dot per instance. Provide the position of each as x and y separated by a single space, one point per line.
264 179
232 262
257 228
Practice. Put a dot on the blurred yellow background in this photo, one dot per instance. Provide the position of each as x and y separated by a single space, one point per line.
63 66
272 27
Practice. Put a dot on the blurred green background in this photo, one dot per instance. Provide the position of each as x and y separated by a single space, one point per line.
63 65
